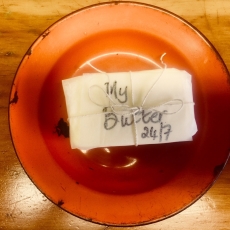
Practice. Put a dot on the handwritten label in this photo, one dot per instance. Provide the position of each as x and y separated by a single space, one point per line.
120 95
154 126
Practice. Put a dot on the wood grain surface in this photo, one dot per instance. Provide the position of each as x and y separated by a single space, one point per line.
22 206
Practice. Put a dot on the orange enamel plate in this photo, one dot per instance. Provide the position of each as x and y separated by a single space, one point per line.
119 185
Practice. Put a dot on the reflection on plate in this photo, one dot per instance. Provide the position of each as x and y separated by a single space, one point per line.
119 185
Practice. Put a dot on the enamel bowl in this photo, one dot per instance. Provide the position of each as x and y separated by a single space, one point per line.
119 185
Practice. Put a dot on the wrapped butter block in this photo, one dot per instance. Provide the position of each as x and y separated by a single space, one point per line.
130 108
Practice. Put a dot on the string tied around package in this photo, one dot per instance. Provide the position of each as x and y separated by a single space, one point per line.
124 109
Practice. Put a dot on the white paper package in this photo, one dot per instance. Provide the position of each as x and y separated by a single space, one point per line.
130 108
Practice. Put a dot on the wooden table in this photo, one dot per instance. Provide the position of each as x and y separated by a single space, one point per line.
22 205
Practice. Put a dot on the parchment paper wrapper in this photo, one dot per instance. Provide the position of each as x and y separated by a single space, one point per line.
130 108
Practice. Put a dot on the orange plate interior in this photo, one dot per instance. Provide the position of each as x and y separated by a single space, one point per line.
119 185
